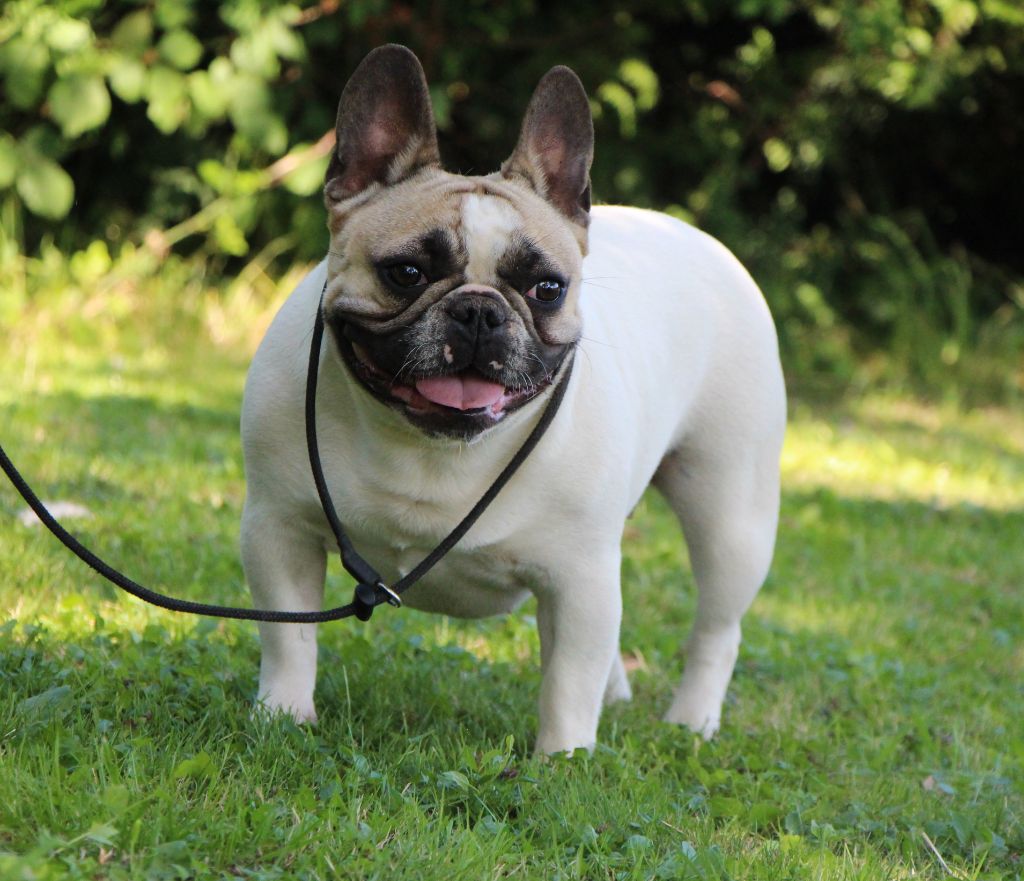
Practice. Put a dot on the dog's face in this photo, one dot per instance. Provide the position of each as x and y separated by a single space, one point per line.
454 300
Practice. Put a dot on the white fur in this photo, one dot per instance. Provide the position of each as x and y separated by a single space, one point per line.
487 224
677 382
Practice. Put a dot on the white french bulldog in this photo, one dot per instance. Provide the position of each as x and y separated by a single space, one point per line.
453 306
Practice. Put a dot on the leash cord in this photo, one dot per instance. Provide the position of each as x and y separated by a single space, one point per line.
370 589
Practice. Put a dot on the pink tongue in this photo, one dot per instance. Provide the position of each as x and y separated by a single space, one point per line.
460 392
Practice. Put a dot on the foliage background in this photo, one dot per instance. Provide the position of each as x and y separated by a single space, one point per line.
159 173
863 159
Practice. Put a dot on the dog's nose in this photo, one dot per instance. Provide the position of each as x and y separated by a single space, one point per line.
480 310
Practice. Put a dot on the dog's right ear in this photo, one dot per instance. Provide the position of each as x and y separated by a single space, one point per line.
556 145
385 129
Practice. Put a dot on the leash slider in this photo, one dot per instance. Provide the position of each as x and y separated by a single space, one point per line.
392 598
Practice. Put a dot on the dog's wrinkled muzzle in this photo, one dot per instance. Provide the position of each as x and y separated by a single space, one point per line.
477 340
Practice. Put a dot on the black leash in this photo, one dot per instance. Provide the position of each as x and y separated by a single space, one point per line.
370 589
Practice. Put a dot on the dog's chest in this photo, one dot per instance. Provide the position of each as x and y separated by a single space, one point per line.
396 523
471 583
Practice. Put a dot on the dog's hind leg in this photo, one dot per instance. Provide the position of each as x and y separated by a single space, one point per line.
285 568
617 688
726 497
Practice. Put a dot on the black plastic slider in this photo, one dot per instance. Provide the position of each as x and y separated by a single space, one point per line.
368 596
355 565
364 599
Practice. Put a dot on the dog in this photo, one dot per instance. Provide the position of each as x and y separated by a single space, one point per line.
453 307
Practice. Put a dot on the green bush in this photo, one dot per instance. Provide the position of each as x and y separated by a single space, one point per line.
859 158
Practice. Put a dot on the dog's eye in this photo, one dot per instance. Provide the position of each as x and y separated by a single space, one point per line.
547 291
405 275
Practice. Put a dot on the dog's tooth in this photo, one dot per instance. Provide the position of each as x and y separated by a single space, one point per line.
403 393
362 354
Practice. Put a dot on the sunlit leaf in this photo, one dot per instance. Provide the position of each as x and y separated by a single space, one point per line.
134 31
777 153
8 160
285 41
254 53
622 100
127 79
79 103
45 187
229 236
173 13
726 806
44 701
1010 11
68 35
199 767
101 833
25 62
453 780
181 49
168 98
640 77
209 99
307 178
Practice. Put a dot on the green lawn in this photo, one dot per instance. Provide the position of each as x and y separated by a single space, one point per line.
874 730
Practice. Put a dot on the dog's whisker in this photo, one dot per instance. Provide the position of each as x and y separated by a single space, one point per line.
536 358
577 347
597 342
604 287
413 359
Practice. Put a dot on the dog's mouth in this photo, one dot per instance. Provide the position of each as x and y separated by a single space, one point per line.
465 401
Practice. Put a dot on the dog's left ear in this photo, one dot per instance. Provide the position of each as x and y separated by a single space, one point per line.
556 144
385 126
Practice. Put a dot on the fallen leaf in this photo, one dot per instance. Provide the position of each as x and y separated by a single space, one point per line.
61 510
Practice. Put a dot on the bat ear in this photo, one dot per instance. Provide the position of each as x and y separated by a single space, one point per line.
556 145
385 129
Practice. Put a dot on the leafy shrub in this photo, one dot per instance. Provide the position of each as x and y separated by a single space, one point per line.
858 157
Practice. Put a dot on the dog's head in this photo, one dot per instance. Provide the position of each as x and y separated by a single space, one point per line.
453 299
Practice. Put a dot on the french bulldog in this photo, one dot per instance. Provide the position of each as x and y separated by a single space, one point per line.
453 306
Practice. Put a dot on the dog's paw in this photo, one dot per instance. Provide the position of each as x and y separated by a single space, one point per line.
300 713
701 720
553 746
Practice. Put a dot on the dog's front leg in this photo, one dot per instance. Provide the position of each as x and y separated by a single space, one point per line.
285 567
578 617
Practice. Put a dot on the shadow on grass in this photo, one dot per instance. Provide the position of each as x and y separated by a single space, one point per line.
859 587
136 429
864 594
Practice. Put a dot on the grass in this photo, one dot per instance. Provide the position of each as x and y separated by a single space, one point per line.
873 730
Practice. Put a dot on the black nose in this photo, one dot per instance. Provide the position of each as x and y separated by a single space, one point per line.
478 310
